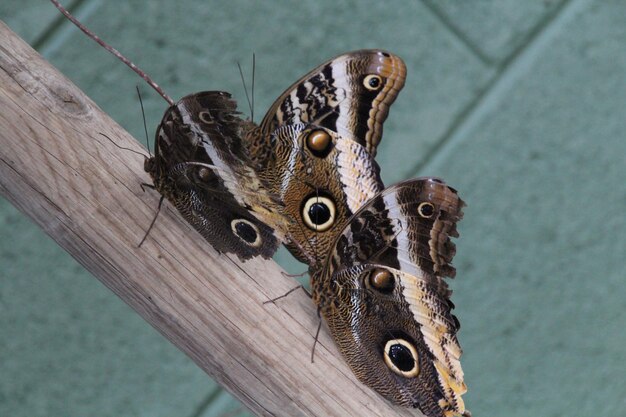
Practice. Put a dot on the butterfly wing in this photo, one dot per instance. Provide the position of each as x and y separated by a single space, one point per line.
384 299
202 167
321 179
349 94
199 195
346 100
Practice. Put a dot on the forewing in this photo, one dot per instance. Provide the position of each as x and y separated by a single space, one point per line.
349 94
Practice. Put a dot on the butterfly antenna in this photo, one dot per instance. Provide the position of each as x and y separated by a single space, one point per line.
113 51
253 71
300 275
121 147
245 89
143 115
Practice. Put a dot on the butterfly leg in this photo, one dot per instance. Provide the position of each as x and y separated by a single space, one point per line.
317 333
153 221
145 185
273 300
300 275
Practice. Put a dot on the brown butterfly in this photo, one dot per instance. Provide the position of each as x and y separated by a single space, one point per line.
382 294
315 147
202 167
306 169
307 176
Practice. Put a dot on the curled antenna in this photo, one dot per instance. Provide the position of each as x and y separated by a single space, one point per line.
114 51
122 147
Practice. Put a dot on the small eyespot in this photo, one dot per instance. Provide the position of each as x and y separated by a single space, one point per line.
204 173
318 213
382 280
401 357
373 82
426 210
247 232
206 117
319 142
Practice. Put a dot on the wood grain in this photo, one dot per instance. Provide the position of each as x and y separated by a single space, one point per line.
84 191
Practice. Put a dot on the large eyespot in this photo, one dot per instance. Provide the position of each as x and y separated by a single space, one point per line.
382 280
247 232
319 142
373 82
401 357
318 213
426 210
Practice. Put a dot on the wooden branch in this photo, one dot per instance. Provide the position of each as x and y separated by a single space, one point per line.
84 191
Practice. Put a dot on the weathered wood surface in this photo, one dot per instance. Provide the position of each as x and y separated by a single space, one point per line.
58 169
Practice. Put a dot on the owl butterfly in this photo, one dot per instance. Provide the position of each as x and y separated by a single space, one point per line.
379 256
307 176
382 294
203 168
315 147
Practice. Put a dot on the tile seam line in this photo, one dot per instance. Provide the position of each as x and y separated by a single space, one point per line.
458 33
496 90
205 402
60 28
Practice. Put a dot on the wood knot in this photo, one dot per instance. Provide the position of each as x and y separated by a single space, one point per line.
68 100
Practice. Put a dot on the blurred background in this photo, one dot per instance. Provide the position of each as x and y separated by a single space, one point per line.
518 105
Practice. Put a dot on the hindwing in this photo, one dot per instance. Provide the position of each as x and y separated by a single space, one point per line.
202 167
383 296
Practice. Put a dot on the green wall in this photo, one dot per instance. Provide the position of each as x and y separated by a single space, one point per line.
518 105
